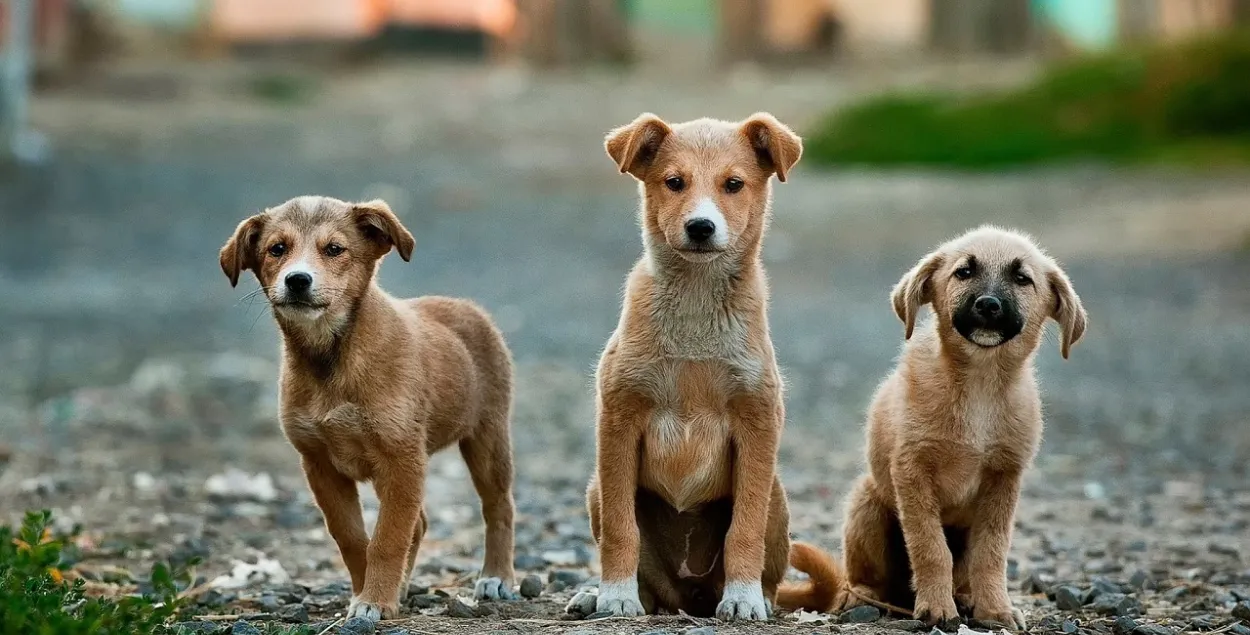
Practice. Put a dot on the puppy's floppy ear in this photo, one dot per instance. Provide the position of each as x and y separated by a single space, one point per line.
915 290
382 226
634 145
1068 311
777 147
242 251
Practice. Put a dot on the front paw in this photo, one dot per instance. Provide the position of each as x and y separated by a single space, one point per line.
934 610
1008 616
743 601
490 589
372 611
620 598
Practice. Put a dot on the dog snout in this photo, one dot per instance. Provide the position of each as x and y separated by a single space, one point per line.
700 229
988 306
298 282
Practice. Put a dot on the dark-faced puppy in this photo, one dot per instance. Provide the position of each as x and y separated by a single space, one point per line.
371 385
685 504
950 433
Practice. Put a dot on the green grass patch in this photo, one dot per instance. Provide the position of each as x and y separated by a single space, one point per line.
1187 103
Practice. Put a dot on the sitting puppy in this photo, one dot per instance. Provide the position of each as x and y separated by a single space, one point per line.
685 504
950 432
371 385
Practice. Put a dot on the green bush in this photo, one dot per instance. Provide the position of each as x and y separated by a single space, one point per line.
36 599
1189 102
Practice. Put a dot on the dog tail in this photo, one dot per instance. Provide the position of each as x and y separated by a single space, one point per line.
824 575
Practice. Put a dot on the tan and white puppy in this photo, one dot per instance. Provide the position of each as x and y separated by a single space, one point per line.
372 385
685 504
950 433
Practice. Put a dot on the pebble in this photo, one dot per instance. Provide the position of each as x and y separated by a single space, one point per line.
658 631
297 613
457 608
1116 604
1240 629
860 615
1124 625
1205 622
1068 598
358 626
424 601
1102 565
1036 583
1242 611
269 602
1069 627
585 604
531 586
568 578
700 630
914 626
1142 581
243 628
1153 629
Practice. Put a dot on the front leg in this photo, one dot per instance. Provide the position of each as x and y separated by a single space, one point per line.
339 501
757 427
920 517
987 549
400 484
621 419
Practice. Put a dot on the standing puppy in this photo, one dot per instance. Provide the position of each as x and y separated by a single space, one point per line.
950 432
685 504
371 385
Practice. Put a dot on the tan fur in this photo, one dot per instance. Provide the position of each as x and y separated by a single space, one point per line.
950 432
686 496
372 385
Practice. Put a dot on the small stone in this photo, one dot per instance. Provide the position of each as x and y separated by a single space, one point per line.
1137 546
269 602
457 608
531 586
1102 585
424 601
296 613
1013 569
1205 622
1176 594
556 587
914 626
1035 583
1068 598
1102 565
1141 580
583 604
417 589
528 562
1223 549
1239 629
243 628
1242 611
860 615
1116 604
1069 627
1153 629
1124 625
569 578
700 630
358 626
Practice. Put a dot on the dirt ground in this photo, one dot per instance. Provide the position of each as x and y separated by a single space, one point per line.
138 397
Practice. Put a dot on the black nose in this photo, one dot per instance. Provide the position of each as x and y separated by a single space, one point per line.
298 281
988 306
700 229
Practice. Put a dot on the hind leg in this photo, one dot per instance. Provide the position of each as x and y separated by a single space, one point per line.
488 454
866 545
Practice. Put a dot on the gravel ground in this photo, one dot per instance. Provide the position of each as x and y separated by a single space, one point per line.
139 399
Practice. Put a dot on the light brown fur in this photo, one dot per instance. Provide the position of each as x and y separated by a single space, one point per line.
372 385
950 432
685 504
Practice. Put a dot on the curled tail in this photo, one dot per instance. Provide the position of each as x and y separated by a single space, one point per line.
818 592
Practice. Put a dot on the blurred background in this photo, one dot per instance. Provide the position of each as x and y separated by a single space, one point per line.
138 394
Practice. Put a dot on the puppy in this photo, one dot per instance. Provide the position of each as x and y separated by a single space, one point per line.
371 385
950 432
685 503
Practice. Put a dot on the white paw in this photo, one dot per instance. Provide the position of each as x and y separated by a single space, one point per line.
583 603
368 610
620 598
492 589
743 601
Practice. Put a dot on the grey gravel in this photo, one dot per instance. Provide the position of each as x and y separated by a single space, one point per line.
700 630
456 608
296 613
860 615
1068 598
531 586
1241 611
358 626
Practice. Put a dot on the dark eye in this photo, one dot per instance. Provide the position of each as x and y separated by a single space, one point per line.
675 183
733 185
1021 279
965 272
277 250
333 249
